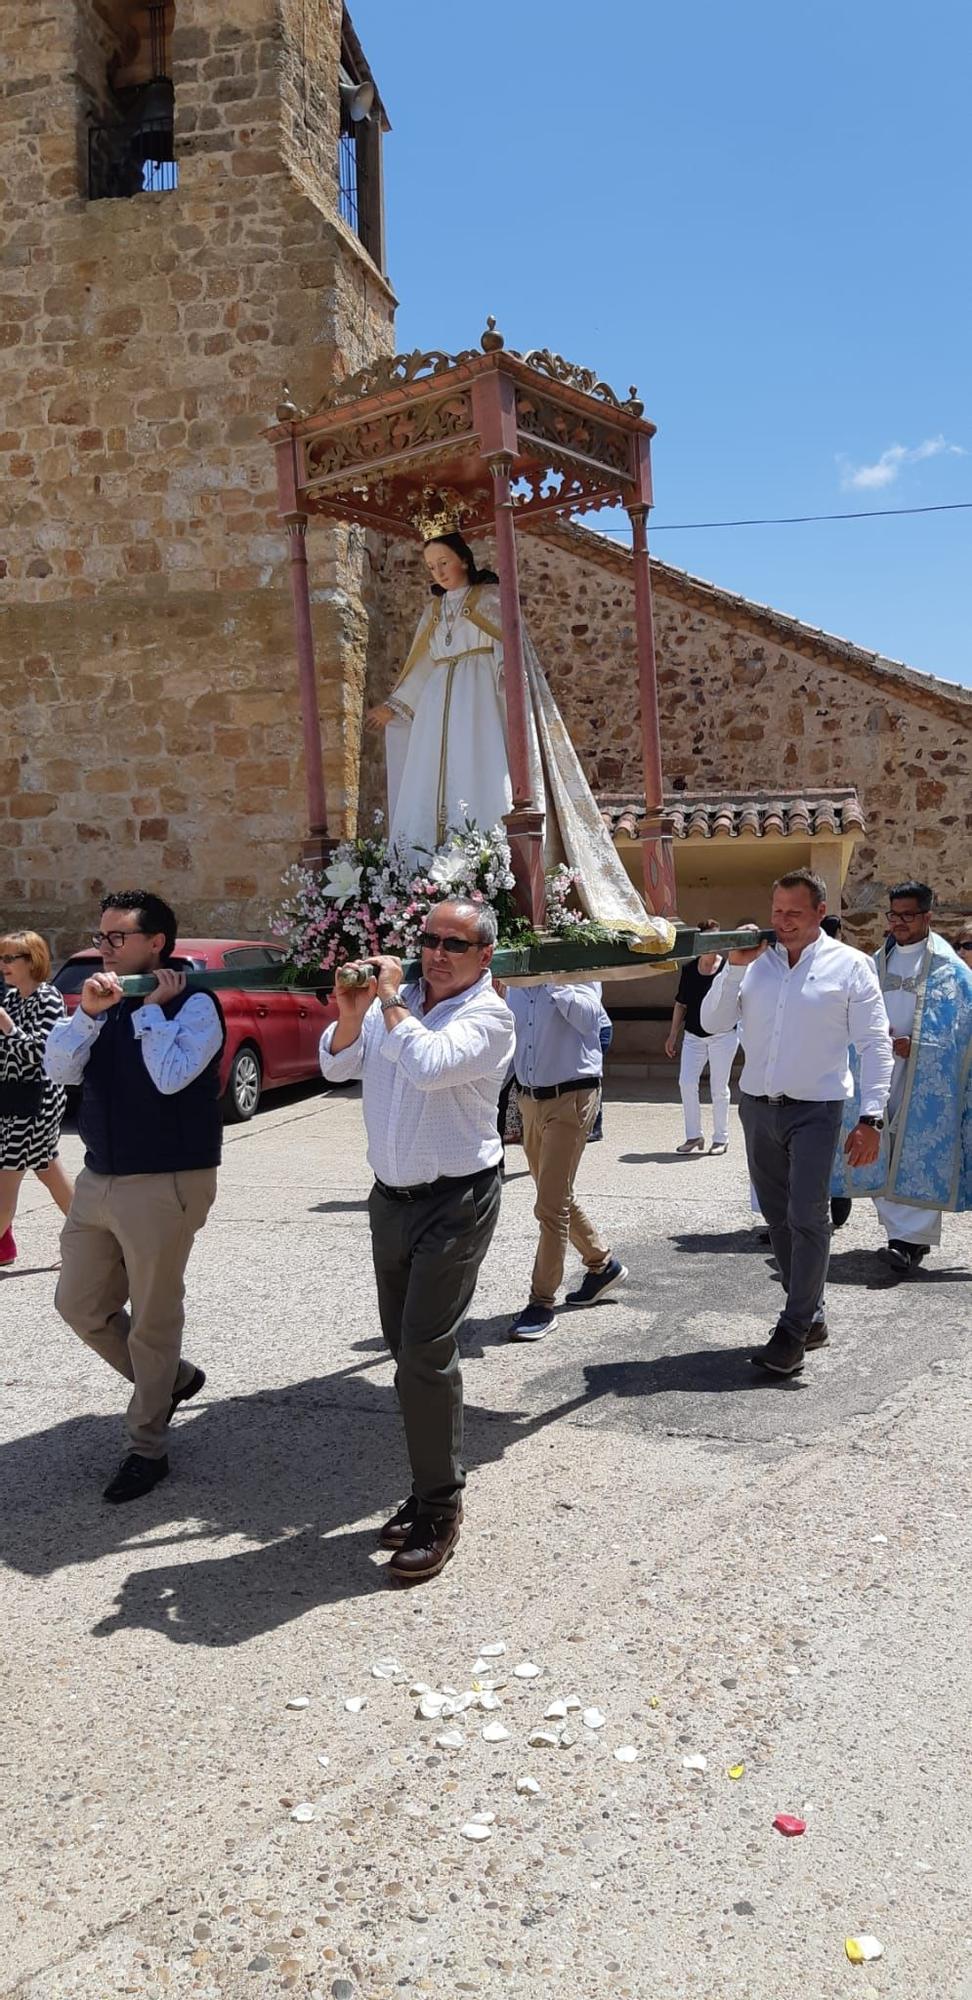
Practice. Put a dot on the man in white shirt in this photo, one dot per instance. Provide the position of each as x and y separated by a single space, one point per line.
559 1064
799 1006
432 1058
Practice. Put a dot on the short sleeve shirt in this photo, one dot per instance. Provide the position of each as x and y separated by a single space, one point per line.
692 989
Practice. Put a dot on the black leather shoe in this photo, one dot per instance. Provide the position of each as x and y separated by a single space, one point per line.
818 1336
136 1475
782 1355
899 1255
430 1542
396 1531
840 1209
197 1381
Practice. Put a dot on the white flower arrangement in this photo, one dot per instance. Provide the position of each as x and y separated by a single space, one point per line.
373 898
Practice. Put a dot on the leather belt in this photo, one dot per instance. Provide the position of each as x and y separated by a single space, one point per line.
446 1184
559 1089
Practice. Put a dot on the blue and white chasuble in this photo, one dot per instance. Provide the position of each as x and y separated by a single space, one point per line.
926 1154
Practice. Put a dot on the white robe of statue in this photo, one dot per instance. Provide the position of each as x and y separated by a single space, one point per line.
447 755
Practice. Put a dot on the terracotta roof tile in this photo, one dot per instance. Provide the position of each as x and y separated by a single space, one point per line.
700 816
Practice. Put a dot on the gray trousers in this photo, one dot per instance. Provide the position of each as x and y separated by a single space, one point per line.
427 1253
790 1149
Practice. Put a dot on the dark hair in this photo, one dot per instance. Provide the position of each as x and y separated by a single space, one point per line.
804 878
917 892
709 924
461 549
153 914
832 925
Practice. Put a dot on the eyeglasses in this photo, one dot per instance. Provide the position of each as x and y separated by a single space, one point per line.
906 916
11 957
115 938
431 941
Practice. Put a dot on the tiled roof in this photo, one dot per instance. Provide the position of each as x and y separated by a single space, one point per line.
741 815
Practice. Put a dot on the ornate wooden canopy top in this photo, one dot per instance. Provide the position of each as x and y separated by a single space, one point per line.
415 434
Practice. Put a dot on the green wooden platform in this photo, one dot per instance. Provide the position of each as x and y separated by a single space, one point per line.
528 965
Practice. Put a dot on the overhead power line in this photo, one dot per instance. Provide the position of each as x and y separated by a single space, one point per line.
796 520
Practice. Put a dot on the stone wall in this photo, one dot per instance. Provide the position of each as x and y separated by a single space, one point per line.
749 701
147 672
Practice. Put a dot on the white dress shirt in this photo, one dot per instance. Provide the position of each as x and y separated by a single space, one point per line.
174 1051
558 1033
796 1023
431 1084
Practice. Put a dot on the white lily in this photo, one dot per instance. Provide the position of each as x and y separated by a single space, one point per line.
343 882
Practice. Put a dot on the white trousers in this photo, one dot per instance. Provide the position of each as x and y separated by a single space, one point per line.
716 1051
905 1224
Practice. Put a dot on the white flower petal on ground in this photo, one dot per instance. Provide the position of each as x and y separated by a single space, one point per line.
418 1688
557 1712
526 1671
484 1819
322 1760
860 1949
544 1739
495 1649
474 1831
302 1813
386 1670
488 1700
527 1785
627 1754
431 1706
694 1763
495 1733
298 1701
355 1703
572 1701
593 1718
451 1739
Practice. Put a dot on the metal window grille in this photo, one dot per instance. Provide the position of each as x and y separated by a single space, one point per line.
348 172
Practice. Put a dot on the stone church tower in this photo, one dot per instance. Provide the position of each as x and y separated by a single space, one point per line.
191 215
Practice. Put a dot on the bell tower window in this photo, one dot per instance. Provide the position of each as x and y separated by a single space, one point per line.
362 123
131 140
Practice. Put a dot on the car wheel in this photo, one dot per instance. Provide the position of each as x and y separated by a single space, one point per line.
243 1085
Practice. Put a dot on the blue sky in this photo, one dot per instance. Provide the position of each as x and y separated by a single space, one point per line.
758 213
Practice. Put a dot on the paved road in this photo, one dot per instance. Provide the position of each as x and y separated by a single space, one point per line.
772 1575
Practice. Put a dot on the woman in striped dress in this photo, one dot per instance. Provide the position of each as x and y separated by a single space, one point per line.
31 1107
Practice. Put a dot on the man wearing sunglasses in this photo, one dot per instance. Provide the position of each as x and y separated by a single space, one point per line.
432 1058
150 1119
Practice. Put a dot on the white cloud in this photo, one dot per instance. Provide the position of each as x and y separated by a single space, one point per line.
885 470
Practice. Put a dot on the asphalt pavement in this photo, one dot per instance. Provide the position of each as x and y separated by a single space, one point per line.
757 1574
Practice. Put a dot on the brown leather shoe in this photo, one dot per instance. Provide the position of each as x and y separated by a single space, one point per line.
430 1543
396 1531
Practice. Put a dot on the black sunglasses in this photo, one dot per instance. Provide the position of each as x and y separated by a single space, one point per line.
431 941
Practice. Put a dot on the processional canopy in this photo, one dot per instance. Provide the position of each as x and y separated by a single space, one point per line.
406 445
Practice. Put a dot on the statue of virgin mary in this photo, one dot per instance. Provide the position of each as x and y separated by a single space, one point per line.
445 740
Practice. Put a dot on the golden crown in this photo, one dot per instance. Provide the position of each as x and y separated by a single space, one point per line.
438 514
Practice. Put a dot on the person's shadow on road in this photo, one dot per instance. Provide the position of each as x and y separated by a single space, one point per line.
296 1473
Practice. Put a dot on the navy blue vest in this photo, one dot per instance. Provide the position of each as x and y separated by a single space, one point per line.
130 1127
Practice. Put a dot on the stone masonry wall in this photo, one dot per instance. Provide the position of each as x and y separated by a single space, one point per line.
147 667
741 709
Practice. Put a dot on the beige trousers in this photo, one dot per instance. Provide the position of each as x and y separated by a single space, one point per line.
128 1237
555 1132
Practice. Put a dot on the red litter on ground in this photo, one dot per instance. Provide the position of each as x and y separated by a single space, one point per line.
786 1823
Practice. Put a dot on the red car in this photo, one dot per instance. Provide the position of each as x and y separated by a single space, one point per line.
271 1038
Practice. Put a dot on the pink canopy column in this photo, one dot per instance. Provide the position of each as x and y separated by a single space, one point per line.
318 846
494 411
657 858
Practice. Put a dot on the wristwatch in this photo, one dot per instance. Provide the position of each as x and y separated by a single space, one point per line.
387 1005
866 1118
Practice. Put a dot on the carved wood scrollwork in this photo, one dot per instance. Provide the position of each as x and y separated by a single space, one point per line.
394 371
552 426
394 432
